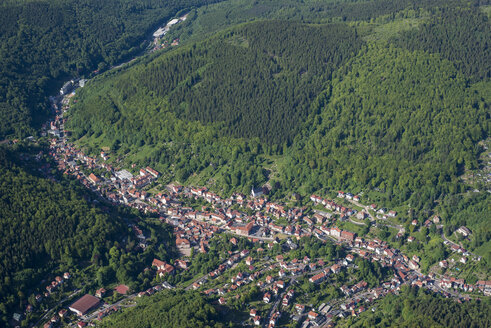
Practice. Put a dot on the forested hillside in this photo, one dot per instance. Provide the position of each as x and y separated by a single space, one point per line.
400 121
212 18
51 227
404 122
459 35
44 42
255 81
414 308
241 83
169 309
265 89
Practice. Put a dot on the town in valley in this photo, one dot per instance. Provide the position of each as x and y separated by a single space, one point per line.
263 241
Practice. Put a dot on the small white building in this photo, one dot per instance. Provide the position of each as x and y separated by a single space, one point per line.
464 231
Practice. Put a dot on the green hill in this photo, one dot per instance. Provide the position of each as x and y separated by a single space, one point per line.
306 107
45 226
241 93
403 122
44 42
253 81
458 34
258 103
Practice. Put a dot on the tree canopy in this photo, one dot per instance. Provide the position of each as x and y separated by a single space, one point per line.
43 42
415 308
168 309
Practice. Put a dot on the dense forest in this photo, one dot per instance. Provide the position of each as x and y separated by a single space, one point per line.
44 42
459 35
255 81
404 122
202 93
262 84
168 309
212 18
414 308
49 227
44 225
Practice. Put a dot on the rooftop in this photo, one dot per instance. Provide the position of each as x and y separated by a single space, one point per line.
84 304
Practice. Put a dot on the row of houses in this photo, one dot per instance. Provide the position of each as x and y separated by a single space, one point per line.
483 286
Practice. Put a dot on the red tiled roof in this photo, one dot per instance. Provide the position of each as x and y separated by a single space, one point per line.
158 263
85 303
122 289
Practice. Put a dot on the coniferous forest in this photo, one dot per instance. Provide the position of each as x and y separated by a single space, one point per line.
256 81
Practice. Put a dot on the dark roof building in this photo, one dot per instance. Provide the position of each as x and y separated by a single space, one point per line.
84 304
256 192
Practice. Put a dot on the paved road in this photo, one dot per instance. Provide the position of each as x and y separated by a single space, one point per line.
448 240
453 243
203 278
365 207
106 306
279 299
356 222
49 312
